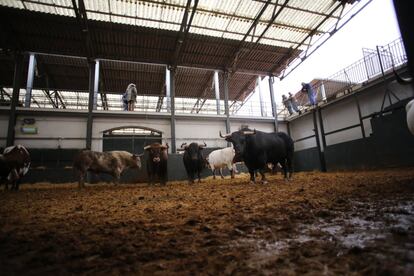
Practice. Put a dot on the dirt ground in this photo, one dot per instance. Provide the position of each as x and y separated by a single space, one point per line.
318 224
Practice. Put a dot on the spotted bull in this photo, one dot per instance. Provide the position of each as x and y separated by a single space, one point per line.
14 164
111 162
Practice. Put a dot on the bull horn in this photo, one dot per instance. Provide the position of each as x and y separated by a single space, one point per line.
184 145
147 147
227 135
139 155
202 146
165 147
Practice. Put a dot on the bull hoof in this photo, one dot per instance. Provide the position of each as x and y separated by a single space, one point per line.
252 182
265 182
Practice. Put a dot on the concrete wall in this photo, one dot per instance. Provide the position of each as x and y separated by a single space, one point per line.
342 148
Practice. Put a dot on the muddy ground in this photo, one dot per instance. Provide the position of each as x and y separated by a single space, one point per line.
335 223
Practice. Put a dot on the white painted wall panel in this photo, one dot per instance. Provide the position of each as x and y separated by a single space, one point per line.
68 132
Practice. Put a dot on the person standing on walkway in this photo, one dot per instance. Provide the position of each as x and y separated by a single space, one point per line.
294 103
307 88
131 93
287 103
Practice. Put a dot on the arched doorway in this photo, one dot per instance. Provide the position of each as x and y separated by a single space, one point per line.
130 138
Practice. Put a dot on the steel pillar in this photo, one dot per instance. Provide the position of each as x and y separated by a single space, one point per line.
30 77
262 110
217 91
96 85
172 94
90 105
272 99
18 67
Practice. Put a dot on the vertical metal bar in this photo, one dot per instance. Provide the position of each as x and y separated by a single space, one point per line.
226 100
172 91
96 85
323 93
30 77
18 67
318 144
322 129
361 122
168 88
272 99
90 105
217 91
262 111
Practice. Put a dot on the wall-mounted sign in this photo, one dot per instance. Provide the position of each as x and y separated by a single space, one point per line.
29 126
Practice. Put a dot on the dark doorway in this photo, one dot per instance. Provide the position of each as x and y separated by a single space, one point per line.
131 139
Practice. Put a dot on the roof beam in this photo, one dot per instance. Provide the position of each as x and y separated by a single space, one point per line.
4 92
234 58
202 98
299 9
213 13
273 18
82 19
235 16
159 103
335 29
293 50
47 93
184 29
245 88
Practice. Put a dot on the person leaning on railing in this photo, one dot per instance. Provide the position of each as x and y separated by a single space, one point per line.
307 88
288 104
294 103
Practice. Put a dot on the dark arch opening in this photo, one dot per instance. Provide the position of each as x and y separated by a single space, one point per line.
130 138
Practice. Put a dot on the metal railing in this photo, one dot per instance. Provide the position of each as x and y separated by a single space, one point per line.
373 65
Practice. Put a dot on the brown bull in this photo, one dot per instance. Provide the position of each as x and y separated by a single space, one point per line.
157 160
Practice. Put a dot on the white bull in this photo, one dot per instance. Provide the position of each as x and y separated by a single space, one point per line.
220 159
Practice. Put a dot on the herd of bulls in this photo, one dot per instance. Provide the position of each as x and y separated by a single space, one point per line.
258 150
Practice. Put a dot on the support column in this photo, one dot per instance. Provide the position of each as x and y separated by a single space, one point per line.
318 144
262 111
168 88
90 104
172 91
96 85
272 99
361 122
30 77
18 67
323 93
217 91
226 100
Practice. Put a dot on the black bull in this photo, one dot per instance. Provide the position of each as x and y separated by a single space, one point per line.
257 149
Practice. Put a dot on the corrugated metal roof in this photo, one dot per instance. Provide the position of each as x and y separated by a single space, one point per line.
226 19
147 32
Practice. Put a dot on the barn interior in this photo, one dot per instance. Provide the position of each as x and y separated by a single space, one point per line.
64 66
